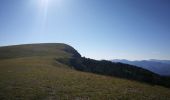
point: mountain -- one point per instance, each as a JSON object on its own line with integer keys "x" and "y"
{"x": 161, "y": 67}
{"x": 56, "y": 71}
{"x": 162, "y": 61}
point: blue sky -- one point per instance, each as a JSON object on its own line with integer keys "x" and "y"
{"x": 99, "y": 29}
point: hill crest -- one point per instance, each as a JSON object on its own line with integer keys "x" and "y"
{"x": 41, "y": 49}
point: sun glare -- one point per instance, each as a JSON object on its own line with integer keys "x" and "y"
{"x": 44, "y": 3}
{"x": 44, "y": 7}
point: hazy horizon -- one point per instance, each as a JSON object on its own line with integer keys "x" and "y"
{"x": 105, "y": 29}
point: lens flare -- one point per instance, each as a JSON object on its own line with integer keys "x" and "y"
{"x": 44, "y": 10}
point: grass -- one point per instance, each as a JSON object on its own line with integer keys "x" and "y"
{"x": 42, "y": 78}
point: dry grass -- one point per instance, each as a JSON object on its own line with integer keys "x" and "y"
{"x": 42, "y": 78}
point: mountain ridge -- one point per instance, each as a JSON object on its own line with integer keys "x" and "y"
{"x": 37, "y": 49}
{"x": 75, "y": 60}
{"x": 161, "y": 67}
{"x": 34, "y": 72}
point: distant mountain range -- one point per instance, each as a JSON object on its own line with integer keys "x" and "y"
{"x": 161, "y": 67}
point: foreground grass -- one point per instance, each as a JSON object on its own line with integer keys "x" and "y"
{"x": 42, "y": 78}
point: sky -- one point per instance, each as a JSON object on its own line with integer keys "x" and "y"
{"x": 98, "y": 29}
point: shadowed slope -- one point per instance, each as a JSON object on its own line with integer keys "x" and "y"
{"x": 116, "y": 69}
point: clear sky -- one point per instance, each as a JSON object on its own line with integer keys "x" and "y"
{"x": 99, "y": 29}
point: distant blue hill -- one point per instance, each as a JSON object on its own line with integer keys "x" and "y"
{"x": 162, "y": 61}
{"x": 161, "y": 67}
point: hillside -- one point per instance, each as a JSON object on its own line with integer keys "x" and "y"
{"x": 31, "y": 72}
{"x": 29, "y": 50}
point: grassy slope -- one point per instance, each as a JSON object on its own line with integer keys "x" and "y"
{"x": 39, "y": 76}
